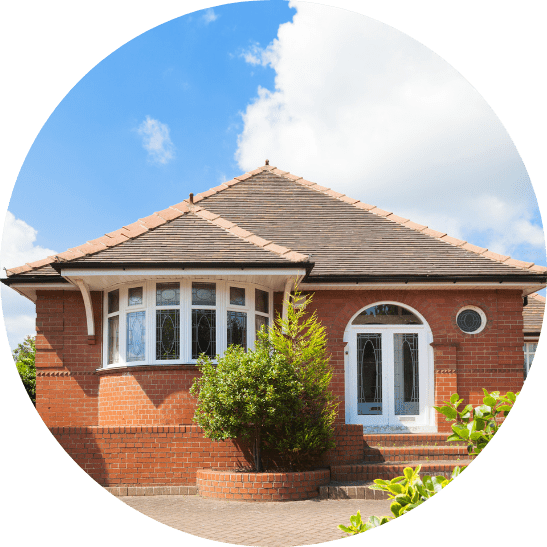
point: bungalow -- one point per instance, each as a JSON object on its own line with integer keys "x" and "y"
{"x": 412, "y": 315}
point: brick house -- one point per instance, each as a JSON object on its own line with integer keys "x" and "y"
{"x": 533, "y": 312}
{"x": 412, "y": 315}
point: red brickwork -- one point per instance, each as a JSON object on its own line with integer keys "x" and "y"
{"x": 261, "y": 486}
{"x": 69, "y": 393}
{"x": 66, "y": 386}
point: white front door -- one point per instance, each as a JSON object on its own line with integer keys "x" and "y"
{"x": 389, "y": 378}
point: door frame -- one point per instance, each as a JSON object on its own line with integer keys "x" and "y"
{"x": 386, "y": 423}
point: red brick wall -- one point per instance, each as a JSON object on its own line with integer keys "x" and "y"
{"x": 66, "y": 386}
{"x": 491, "y": 359}
{"x": 156, "y": 395}
{"x": 169, "y": 455}
{"x": 69, "y": 393}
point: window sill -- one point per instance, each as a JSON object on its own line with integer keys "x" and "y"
{"x": 142, "y": 368}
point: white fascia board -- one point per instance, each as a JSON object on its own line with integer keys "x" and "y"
{"x": 33, "y": 286}
{"x": 418, "y": 285}
{"x": 181, "y": 272}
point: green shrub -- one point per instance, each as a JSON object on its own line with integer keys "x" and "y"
{"x": 477, "y": 425}
{"x": 407, "y": 492}
{"x": 274, "y": 397}
{"x": 24, "y": 357}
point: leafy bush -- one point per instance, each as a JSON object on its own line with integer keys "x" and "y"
{"x": 274, "y": 397}
{"x": 24, "y": 356}
{"x": 477, "y": 425}
{"x": 407, "y": 492}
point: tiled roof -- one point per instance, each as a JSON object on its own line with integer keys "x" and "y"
{"x": 533, "y": 313}
{"x": 272, "y": 215}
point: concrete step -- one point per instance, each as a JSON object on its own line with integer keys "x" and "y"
{"x": 344, "y": 474}
{"x": 414, "y": 453}
{"x": 354, "y": 491}
{"x": 407, "y": 439}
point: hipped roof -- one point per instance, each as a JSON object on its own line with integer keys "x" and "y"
{"x": 271, "y": 216}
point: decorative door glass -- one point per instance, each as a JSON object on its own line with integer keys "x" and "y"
{"x": 369, "y": 374}
{"x": 406, "y": 381}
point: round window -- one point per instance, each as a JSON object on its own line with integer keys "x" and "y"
{"x": 471, "y": 320}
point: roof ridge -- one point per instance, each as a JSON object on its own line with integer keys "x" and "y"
{"x": 538, "y": 297}
{"x": 246, "y": 235}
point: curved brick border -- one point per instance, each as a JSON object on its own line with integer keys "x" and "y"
{"x": 220, "y": 484}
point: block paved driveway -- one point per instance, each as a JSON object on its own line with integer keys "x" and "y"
{"x": 271, "y": 524}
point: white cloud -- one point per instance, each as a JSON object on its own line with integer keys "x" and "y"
{"x": 156, "y": 140}
{"x": 363, "y": 108}
{"x": 209, "y": 16}
{"x": 18, "y": 248}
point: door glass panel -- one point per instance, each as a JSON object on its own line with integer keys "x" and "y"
{"x": 203, "y": 333}
{"x": 136, "y": 336}
{"x": 386, "y": 314}
{"x": 369, "y": 374}
{"x": 406, "y": 379}
{"x": 167, "y": 334}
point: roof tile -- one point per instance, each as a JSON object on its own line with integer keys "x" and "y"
{"x": 347, "y": 199}
{"x": 293, "y": 256}
{"x": 320, "y": 188}
{"x": 207, "y": 215}
{"x": 364, "y": 206}
{"x": 396, "y": 218}
{"x": 279, "y": 249}
{"x": 519, "y": 263}
{"x": 495, "y": 256}
{"x": 152, "y": 221}
{"x": 208, "y": 193}
{"x": 292, "y": 177}
{"x": 245, "y": 176}
{"x": 306, "y": 182}
{"x": 537, "y": 268}
{"x": 474, "y": 248}
{"x": 182, "y": 207}
{"x": 454, "y": 240}
{"x": 223, "y": 223}
{"x": 40, "y": 263}
{"x": 415, "y": 226}
{"x": 19, "y": 269}
{"x": 433, "y": 233}
{"x": 380, "y": 212}
{"x": 334, "y": 193}
{"x": 169, "y": 214}
{"x": 116, "y": 240}
{"x": 90, "y": 248}
{"x": 231, "y": 182}
{"x": 261, "y": 242}
{"x": 279, "y": 172}
{"x": 240, "y": 232}
{"x": 134, "y": 230}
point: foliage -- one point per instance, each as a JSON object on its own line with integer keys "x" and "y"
{"x": 24, "y": 356}
{"x": 477, "y": 425}
{"x": 306, "y": 430}
{"x": 407, "y": 492}
{"x": 276, "y": 396}
{"x": 244, "y": 395}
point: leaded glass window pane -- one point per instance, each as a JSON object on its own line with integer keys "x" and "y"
{"x": 237, "y": 296}
{"x": 407, "y": 401}
{"x": 386, "y": 314}
{"x": 203, "y": 333}
{"x": 136, "y": 336}
{"x": 167, "y": 294}
{"x": 260, "y": 321}
{"x": 113, "y": 339}
{"x": 369, "y": 374}
{"x": 261, "y": 301}
{"x": 204, "y": 294}
{"x": 469, "y": 321}
{"x": 135, "y": 296}
{"x": 113, "y": 301}
{"x": 167, "y": 334}
{"x": 237, "y": 329}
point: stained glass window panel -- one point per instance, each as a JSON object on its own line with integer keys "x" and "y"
{"x": 167, "y": 334}
{"x": 469, "y": 321}
{"x": 204, "y": 294}
{"x": 237, "y": 296}
{"x": 113, "y": 301}
{"x": 135, "y": 296}
{"x": 261, "y": 301}
{"x": 113, "y": 339}
{"x": 369, "y": 374}
{"x": 136, "y": 336}
{"x": 407, "y": 396}
{"x": 203, "y": 333}
{"x": 260, "y": 321}
{"x": 167, "y": 294}
{"x": 386, "y": 314}
{"x": 237, "y": 329}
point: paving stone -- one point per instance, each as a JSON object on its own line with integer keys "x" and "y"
{"x": 273, "y": 524}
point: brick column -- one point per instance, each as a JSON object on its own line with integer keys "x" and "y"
{"x": 446, "y": 377}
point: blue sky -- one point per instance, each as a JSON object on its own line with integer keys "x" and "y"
{"x": 335, "y": 97}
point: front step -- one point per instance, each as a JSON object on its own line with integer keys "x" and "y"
{"x": 414, "y": 453}
{"x": 352, "y": 492}
{"x": 380, "y": 440}
{"x": 388, "y": 470}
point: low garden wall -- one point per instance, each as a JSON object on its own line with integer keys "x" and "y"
{"x": 172, "y": 455}
{"x": 223, "y": 484}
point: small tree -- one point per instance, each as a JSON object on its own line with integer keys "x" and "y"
{"x": 306, "y": 431}
{"x": 24, "y": 356}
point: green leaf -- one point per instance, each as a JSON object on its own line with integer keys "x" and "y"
{"x": 454, "y": 398}
{"x": 511, "y": 396}
{"x": 449, "y": 412}
{"x": 396, "y": 508}
{"x": 490, "y": 401}
{"x": 462, "y": 432}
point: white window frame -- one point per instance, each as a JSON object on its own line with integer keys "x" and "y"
{"x": 529, "y": 355}
{"x": 149, "y": 306}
